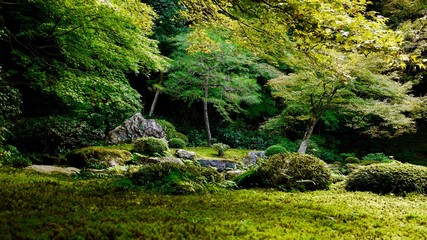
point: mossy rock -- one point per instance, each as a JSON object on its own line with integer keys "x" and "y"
{"x": 98, "y": 157}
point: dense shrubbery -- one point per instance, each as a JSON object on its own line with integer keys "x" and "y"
{"x": 176, "y": 143}
{"x": 55, "y": 134}
{"x": 389, "y": 178}
{"x": 248, "y": 139}
{"x": 376, "y": 157}
{"x": 275, "y": 149}
{"x": 173, "y": 178}
{"x": 10, "y": 156}
{"x": 150, "y": 146}
{"x": 288, "y": 171}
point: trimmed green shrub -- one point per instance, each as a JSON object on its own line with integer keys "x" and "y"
{"x": 389, "y": 178}
{"x": 173, "y": 178}
{"x": 221, "y": 148}
{"x": 180, "y": 136}
{"x": 150, "y": 146}
{"x": 275, "y": 149}
{"x": 352, "y": 160}
{"x": 288, "y": 171}
{"x": 10, "y": 156}
{"x": 176, "y": 143}
{"x": 168, "y": 127}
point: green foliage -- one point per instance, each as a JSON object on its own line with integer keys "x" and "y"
{"x": 151, "y": 146}
{"x": 389, "y": 178}
{"x": 376, "y": 157}
{"x": 180, "y": 136}
{"x": 55, "y": 134}
{"x": 221, "y": 148}
{"x": 168, "y": 127}
{"x": 172, "y": 178}
{"x": 10, "y": 156}
{"x": 33, "y": 206}
{"x": 249, "y": 179}
{"x": 98, "y": 157}
{"x": 352, "y": 160}
{"x": 240, "y": 137}
{"x": 176, "y": 143}
{"x": 294, "y": 171}
{"x": 275, "y": 149}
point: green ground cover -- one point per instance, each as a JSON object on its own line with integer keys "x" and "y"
{"x": 37, "y": 206}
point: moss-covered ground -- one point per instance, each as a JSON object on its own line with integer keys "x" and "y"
{"x": 37, "y": 206}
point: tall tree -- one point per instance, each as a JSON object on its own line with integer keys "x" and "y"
{"x": 319, "y": 40}
{"x": 213, "y": 72}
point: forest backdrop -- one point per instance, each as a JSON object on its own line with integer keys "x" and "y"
{"x": 335, "y": 78}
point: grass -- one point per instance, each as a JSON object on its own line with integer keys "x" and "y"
{"x": 210, "y": 153}
{"x": 37, "y": 206}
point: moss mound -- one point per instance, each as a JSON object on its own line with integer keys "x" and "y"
{"x": 150, "y": 146}
{"x": 176, "y": 143}
{"x": 288, "y": 171}
{"x": 389, "y": 178}
{"x": 275, "y": 149}
{"x": 173, "y": 178}
{"x": 98, "y": 157}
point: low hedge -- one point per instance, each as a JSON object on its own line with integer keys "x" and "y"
{"x": 150, "y": 146}
{"x": 389, "y": 178}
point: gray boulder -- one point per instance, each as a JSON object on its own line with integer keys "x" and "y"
{"x": 135, "y": 127}
{"x": 253, "y": 158}
{"x": 220, "y": 165}
{"x": 181, "y": 153}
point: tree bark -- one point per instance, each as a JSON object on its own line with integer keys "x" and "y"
{"x": 156, "y": 96}
{"x": 306, "y": 140}
{"x": 205, "y": 114}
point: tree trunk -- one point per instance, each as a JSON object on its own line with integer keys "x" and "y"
{"x": 156, "y": 97}
{"x": 306, "y": 140}
{"x": 206, "y": 117}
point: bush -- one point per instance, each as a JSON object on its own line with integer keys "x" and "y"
{"x": 55, "y": 134}
{"x": 351, "y": 160}
{"x": 389, "y": 178}
{"x": 173, "y": 178}
{"x": 176, "y": 143}
{"x": 221, "y": 148}
{"x": 294, "y": 171}
{"x": 275, "y": 149}
{"x": 150, "y": 146}
{"x": 168, "y": 127}
{"x": 180, "y": 136}
{"x": 10, "y": 156}
{"x": 376, "y": 157}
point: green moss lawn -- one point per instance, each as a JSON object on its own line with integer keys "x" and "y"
{"x": 37, "y": 206}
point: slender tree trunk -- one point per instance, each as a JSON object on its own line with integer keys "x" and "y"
{"x": 205, "y": 114}
{"x": 306, "y": 140}
{"x": 156, "y": 96}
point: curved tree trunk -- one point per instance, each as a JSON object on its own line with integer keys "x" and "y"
{"x": 205, "y": 115}
{"x": 156, "y": 97}
{"x": 306, "y": 140}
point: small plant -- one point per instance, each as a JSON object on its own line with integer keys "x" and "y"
{"x": 150, "y": 146}
{"x": 389, "y": 178}
{"x": 176, "y": 143}
{"x": 221, "y": 148}
{"x": 352, "y": 160}
{"x": 377, "y": 157}
{"x": 275, "y": 149}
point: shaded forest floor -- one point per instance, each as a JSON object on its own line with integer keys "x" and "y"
{"x": 39, "y": 206}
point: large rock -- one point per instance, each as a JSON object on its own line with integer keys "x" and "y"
{"x": 181, "y": 153}
{"x": 135, "y": 127}
{"x": 220, "y": 165}
{"x": 253, "y": 158}
{"x": 149, "y": 160}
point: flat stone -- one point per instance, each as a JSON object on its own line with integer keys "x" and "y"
{"x": 219, "y": 164}
{"x": 253, "y": 158}
{"x": 52, "y": 169}
{"x": 181, "y": 153}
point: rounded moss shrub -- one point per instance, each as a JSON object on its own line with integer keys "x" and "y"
{"x": 98, "y": 157}
{"x": 176, "y": 143}
{"x": 389, "y": 178}
{"x": 352, "y": 160}
{"x": 168, "y": 127}
{"x": 294, "y": 171}
{"x": 180, "y": 136}
{"x": 150, "y": 146}
{"x": 173, "y": 178}
{"x": 275, "y": 149}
